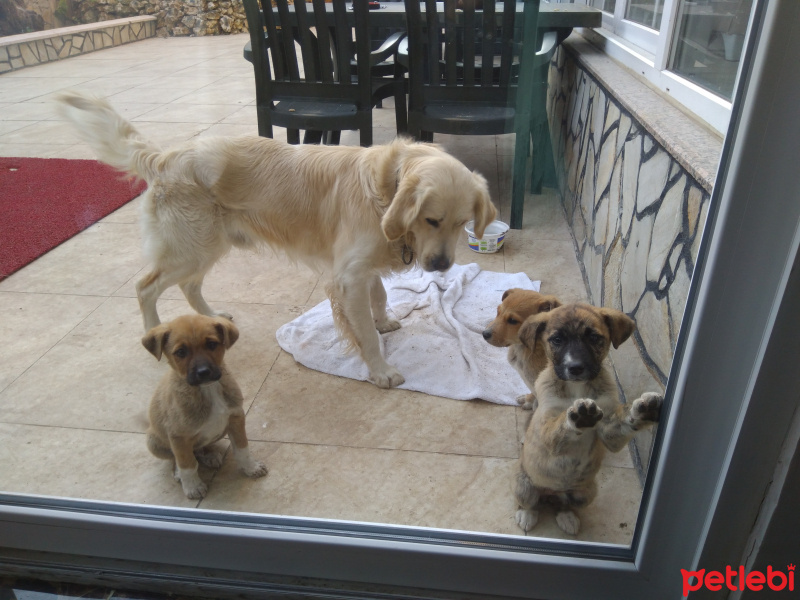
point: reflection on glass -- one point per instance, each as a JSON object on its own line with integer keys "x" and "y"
{"x": 645, "y": 12}
{"x": 604, "y": 5}
{"x": 709, "y": 43}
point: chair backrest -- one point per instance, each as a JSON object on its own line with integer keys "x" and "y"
{"x": 447, "y": 55}
{"x": 297, "y": 52}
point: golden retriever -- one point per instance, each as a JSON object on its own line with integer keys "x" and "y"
{"x": 197, "y": 401}
{"x": 517, "y": 305}
{"x": 359, "y": 212}
{"x": 579, "y": 414}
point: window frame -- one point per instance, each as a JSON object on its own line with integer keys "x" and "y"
{"x": 647, "y": 52}
{"x": 714, "y": 381}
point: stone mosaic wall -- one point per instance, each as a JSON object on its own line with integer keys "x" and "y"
{"x": 174, "y": 17}
{"x": 28, "y": 49}
{"x": 636, "y": 216}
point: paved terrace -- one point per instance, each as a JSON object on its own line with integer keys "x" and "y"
{"x": 75, "y": 381}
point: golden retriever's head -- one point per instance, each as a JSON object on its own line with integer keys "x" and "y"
{"x": 194, "y": 346}
{"x": 436, "y": 196}
{"x": 577, "y": 337}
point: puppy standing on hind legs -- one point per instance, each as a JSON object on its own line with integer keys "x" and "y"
{"x": 197, "y": 402}
{"x": 579, "y": 415}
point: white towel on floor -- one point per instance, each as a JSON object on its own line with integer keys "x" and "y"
{"x": 439, "y": 348}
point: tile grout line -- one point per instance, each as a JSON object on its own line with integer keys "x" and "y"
{"x": 57, "y": 342}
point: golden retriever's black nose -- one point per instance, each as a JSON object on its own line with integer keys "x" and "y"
{"x": 487, "y": 334}
{"x": 440, "y": 263}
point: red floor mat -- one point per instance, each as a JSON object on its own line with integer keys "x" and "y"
{"x": 45, "y": 201}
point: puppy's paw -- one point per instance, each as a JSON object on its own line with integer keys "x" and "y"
{"x": 584, "y": 414}
{"x": 210, "y": 459}
{"x": 195, "y": 493}
{"x": 192, "y": 485}
{"x": 388, "y": 378}
{"x": 527, "y": 401}
{"x": 255, "y": 469}
{"x": 386, "y": 325}
{"x": 526, "y": 519}
{"x": 569, "y": 522}
{"x": 646, "y": 410}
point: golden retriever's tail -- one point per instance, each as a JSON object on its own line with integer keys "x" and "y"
{"x": 115, "y": 141}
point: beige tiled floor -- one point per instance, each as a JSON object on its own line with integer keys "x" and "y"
{"x": 75, "y": 380}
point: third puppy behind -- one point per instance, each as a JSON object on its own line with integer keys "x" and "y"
{"x": 517, "y": 305}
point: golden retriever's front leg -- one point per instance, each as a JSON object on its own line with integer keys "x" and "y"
{"x": 377, "y": 300}
{"x": 350, "y": 298}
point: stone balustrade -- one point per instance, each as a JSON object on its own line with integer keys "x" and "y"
{"x": 28, "y": 49}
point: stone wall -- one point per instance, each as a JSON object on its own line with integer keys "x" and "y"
{"x": 39, "y": 47}
{"x": 173, "y": 17}
{"x": 636, "y": 216}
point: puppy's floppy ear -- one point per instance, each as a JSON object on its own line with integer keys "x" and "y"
{"x": 227, "y": 331}
{"x": 155, "y": 339}
{"x": 484, "y": 210}
{"x": 549, "y": 303}
{"x": 620, "y": 326}
{"x": 532, "y": 329}
{"x": 403, "y": 210}
{"x": 507, "y": 292}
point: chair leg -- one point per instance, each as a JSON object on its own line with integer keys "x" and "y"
{"x": 312, "y": 137}
{"x": 365, "y": 136}
{"x": 400, "y": 110}
{"x": 334, "y": 137}
{"x": 293, "y": 136}
{"x": 264, "y": 122}
{"x": 518, "y": 176}
{"x": 537, "y": 160}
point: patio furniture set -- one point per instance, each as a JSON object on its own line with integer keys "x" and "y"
{"x": 327, "y": 79}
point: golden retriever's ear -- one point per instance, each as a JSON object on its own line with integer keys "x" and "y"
{"x": 484, "y": 210}
{"x": 620, "y": 326}
{"x": 403, "y": 209}
{"x": 549, "y": 303}
{"x": 506, "y": 293}
{"x": 155, "y": 340}
{"x": 532, "y": 329}
{"x": 227, "y": 331}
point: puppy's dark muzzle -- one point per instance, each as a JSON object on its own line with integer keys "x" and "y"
{"x": 576, "y": 371}
{"x": 203, "y": 372}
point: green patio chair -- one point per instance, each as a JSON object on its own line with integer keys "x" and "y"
{"x": 451, "y": 92}
{"x": 299, "y": 84}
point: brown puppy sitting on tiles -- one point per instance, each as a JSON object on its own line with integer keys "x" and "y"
{"x": 517, "y": 305}
{"x": 579, "y": 415}
{"x": 197, "y": 402}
